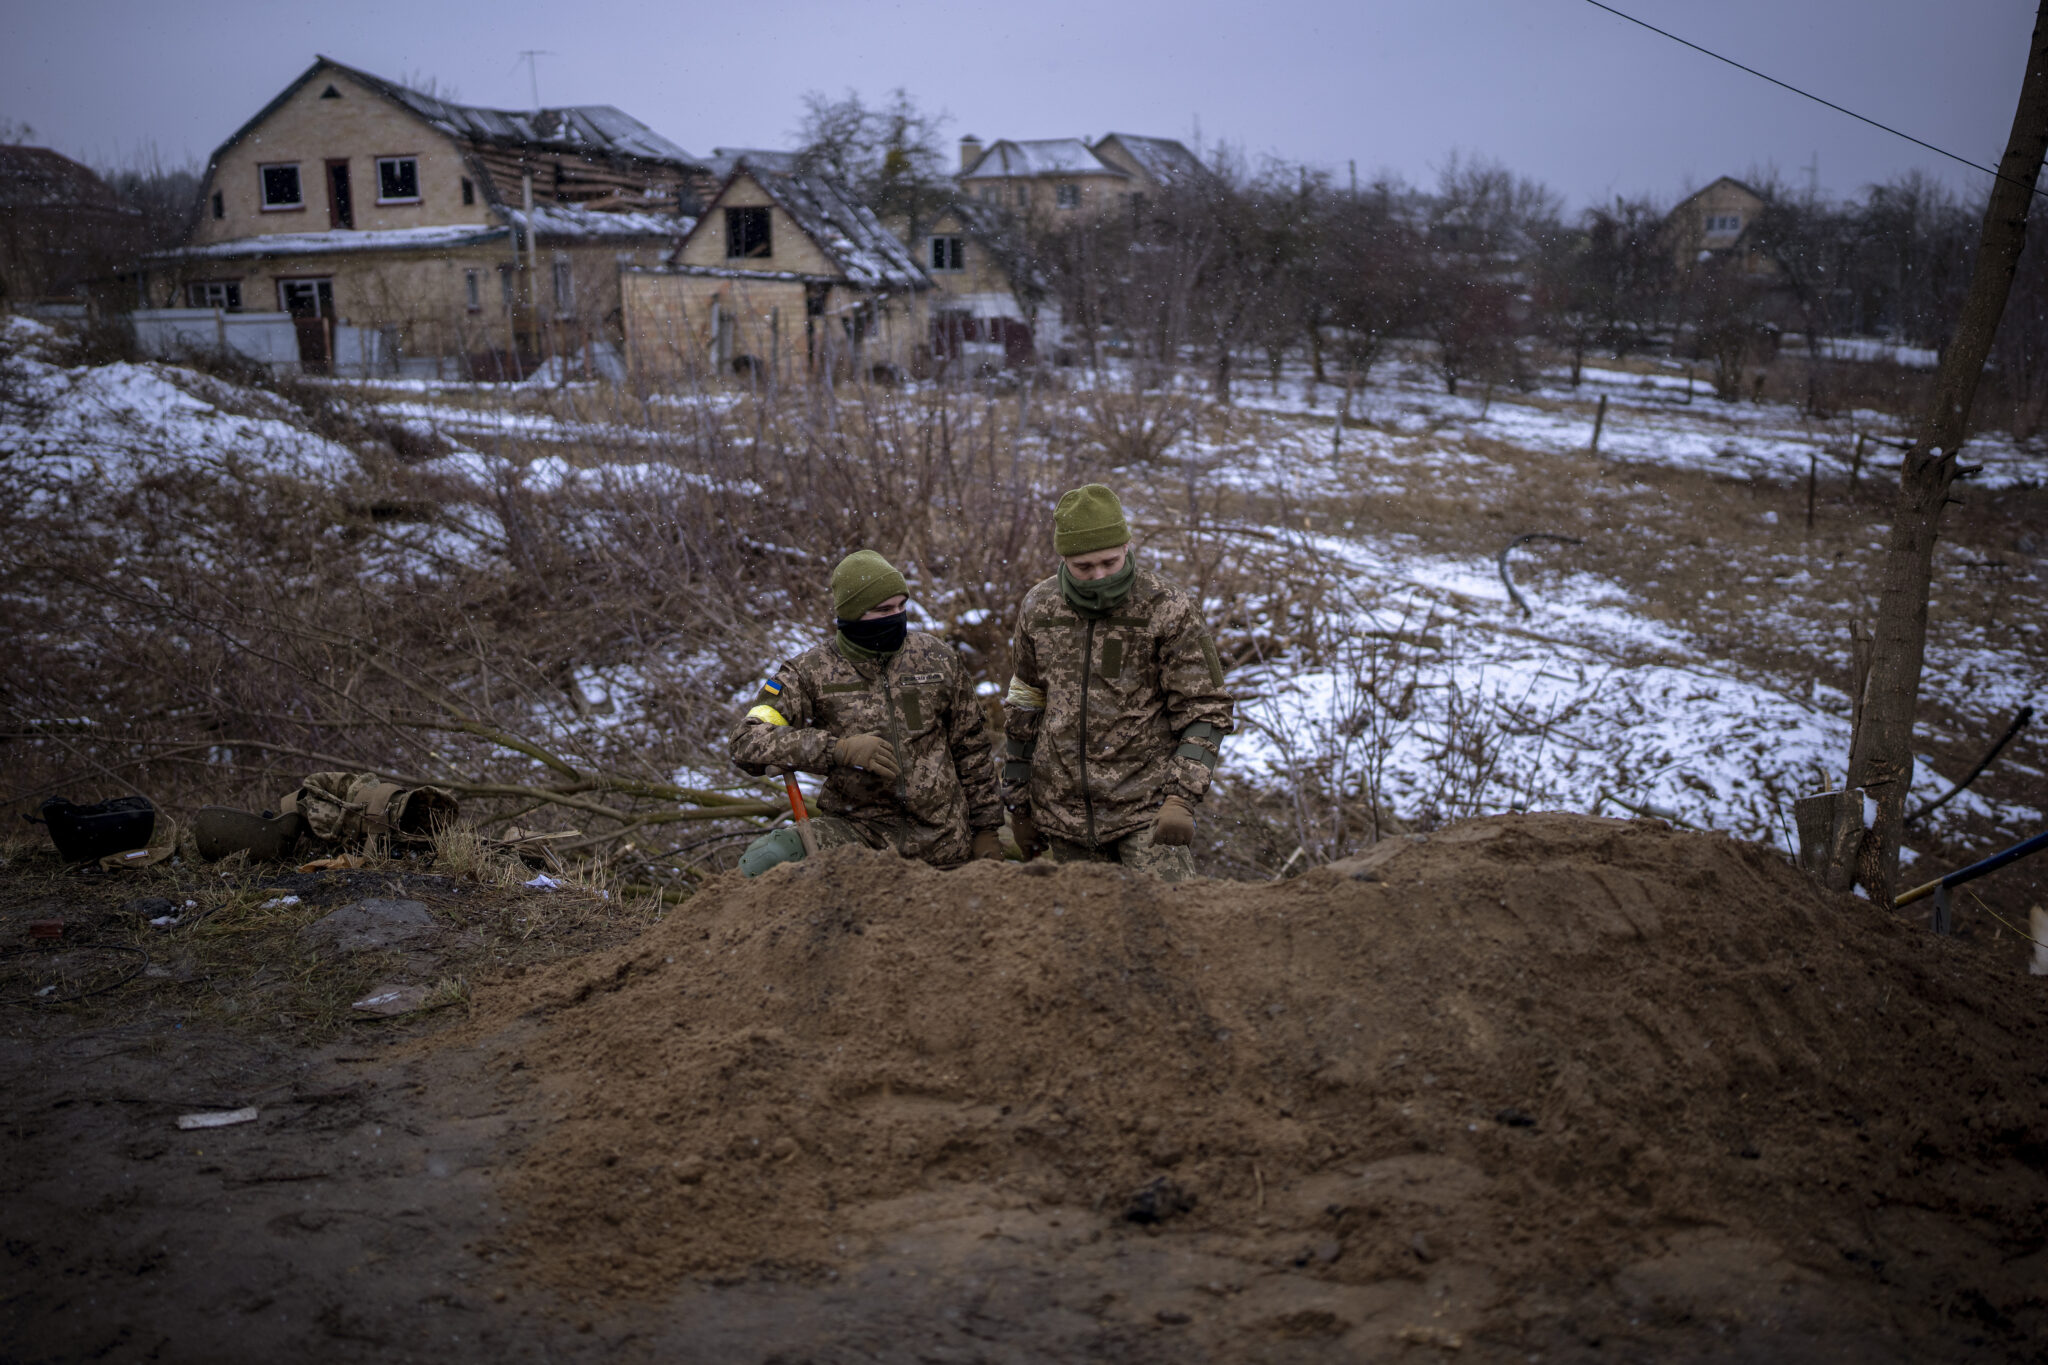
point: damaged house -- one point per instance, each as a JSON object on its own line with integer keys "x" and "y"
{"x": 402, "y": 233}
{"x": 785, "y": 276}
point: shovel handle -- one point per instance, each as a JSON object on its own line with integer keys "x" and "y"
{"x": 797, "y": 813}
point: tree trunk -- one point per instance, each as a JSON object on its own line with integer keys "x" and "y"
{"x": 1881, "y": 757}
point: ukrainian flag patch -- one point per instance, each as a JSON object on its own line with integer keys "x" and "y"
{"x": 771, "y": 687}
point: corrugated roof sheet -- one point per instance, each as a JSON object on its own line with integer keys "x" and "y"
{"x": 582, "y": 127}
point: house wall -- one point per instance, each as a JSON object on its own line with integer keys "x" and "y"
{"x": 1098, "y": 193}
{"x": 360, "y": 126}
{"x": 981, "y": 275}
{"x": 424, "y": 295}
{"x": 792, "y": 248}
{"x": 1688, "y": 224}
{"x": 695, "y": 327}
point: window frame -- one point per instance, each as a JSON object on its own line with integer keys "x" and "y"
{"x": 732, "y": 239}
{"x": 1066, "y": 195}
{"x": 263, "y": 169}
{"x": 219, "y": 203}
{"x": 198, "y": 294}
{"x": 562, "y": 275}
{"x": 949, "y": 246}
{"x": 399, "y": 158}
{"x": 473, "y": 289}
{"x": 468, "y": 191}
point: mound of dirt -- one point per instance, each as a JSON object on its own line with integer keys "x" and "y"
{"x": 1542, "y": 1046}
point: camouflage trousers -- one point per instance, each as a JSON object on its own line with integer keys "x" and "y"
{"x": 1135, "y": 851}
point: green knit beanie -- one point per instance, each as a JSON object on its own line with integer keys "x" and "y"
{"x": 1089, "y": 519}
{"x": 863, "y": 579}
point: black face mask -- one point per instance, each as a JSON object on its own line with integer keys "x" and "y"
{"x": 882, "y": 635}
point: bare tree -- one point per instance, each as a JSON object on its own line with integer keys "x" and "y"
{"x": 890, "y": 154}
{"x": 1881, "y": 752}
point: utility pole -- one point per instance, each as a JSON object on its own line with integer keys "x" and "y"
{"x": 1881, "y": 749}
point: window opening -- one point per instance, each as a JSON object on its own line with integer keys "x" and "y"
{"x": 1067, "y": 196}
{"x": 330, "y": 93}
{"x": 220, "y": 208}
{"x": 307, "y": 298}
{"x": 565, "y": 285}
{"x": 746, "y": 234}
{"x": 1023, "y": 196}
{"x": 222, "y": 294}
{"x": 468, "y": 190}
{"x": 473, "y": 289}
{"x": 949, "y": 253}
{"x": 341, "y": 204}
{"x": 398, "y": 180}
{"x": 281, "y": 187}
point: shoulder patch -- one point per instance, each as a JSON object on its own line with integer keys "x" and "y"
{"x": 771, "y": 687}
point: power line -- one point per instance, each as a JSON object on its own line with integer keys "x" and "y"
{"x": 1808, "y": 94}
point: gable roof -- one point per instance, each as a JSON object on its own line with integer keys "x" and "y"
{"x": 843, "y": 228}
{"x": 1058, "y": 156}
{"x": 583, "y": 129}
{"x": 1715, "y": 184}
{"x": 1168, "y": 162}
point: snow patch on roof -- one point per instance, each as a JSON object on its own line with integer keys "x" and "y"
{"x": 1048, "y": 156}
{"x": 846, "y": 230}
{"x": 342, "y": 240}
{"x": 566, "y": 220}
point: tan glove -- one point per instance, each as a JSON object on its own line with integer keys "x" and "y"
{"x": 1024, "y": 830}
{"x": 871, "y": 752}
{"x": 988, "y": 843}
{"x": 1174, "y": 826}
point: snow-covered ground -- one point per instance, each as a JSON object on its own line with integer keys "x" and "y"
{"x": 1432, "y": 689}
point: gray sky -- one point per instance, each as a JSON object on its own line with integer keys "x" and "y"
{"x": 1553, "y": 88}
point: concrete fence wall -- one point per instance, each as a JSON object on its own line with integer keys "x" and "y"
{"x": 267, "y": 338}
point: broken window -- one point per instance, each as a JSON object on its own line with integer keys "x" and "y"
{"x": 949, "y": 253}
{"x": 398, "y": 180}
{"x": 1067, "y": 195}
{"x": 746, "y": 234}
{"x": 281, "y": 187}
{"x": 473, "y": 289}
{"x": 222, "y": 294}
{"x": 565, "y": 285}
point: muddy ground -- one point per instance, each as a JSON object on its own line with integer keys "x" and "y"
{"x": 1533, "y": 1088}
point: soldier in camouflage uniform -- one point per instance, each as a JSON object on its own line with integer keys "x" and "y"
{"x": 1115, "y": 719}
{"x": 889, "y": 718}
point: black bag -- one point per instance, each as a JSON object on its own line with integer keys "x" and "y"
{"x": 84, "y": 833}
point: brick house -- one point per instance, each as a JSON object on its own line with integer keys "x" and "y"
{"x": 1712, "y": 223}
{"x": 991, "y": 304}
{"x": 460, "y": 234}
{"x": 786, "y": 275}
{"x": 1049, "y": 179}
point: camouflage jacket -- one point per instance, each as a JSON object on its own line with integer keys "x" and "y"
{"x": 1095, "y": 762}
{"x": 922, "y": 701}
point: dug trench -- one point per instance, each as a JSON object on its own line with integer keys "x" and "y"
{"x": 1538, "y": 1086}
